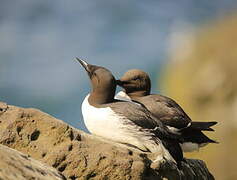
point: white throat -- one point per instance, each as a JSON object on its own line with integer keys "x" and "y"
{"x": 121, "y": 95}
{"x": 106, "y": 123}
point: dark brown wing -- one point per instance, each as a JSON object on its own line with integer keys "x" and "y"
{"x": 165, "y": 109}
{"x": 140, "y": 116}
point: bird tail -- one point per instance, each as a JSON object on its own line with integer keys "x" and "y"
{"x": 203, "y": 126}
{"x": 196, "y": 136}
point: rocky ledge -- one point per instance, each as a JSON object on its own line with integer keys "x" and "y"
{"x": 75, "y": 154}
{"x": 15, "y": 165}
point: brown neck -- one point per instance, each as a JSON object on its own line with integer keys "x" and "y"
{"x": 137, "y": 93}
{"x": 98, "y": 99}
{"x": 100, "y": 96}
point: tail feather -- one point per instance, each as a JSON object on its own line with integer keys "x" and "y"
{"x": 196, "y": 136}
{"x": 203, "y": 126}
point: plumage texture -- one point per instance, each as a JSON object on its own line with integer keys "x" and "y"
{"x": 125, "y": 122}
{"x": 165, "y": 109}
{"x": 110, "y": 121}
{"x": 137, "y": 85}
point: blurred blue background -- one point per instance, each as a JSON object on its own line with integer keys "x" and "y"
{"x": 40, "y": 39}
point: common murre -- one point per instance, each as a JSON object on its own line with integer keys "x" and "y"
{"x": 125, "y": 122}
{"x": 137, "y": 86}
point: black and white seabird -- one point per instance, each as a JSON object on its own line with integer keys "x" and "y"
{"x": 125, "y": 122}
{"x": 137, "y": 86}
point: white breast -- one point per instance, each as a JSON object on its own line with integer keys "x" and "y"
{"x": 121, "y": 95}
{"x": 124, "y": 97}
{"x": 100, "y": 121}
{"x": 190, "y": 147}
{"x": 106, "y": 123}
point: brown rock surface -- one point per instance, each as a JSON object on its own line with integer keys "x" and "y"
{"x": 15, "y": 165}
{"x": 81, "y": 156}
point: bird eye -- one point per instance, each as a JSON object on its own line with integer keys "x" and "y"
{"x": 135, "y": 78}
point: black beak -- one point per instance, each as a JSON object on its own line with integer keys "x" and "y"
{"x": 118, "y": 82}
{"x": 121, "y": 83}
{"x": 84, "y": 64}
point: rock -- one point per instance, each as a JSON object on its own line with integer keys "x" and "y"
{"x": 15, "y": 165}
{"x": 82, "y": 156}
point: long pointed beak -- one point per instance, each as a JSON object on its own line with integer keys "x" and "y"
{"x": 121, "y": 83}
{"x": 118, "y": 82}
{"x": 84, "y": 64}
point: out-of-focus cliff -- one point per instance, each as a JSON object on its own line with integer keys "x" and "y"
{"x": 202, "y": 78}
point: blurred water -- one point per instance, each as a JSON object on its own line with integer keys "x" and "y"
{"x": 40, "y": 39}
